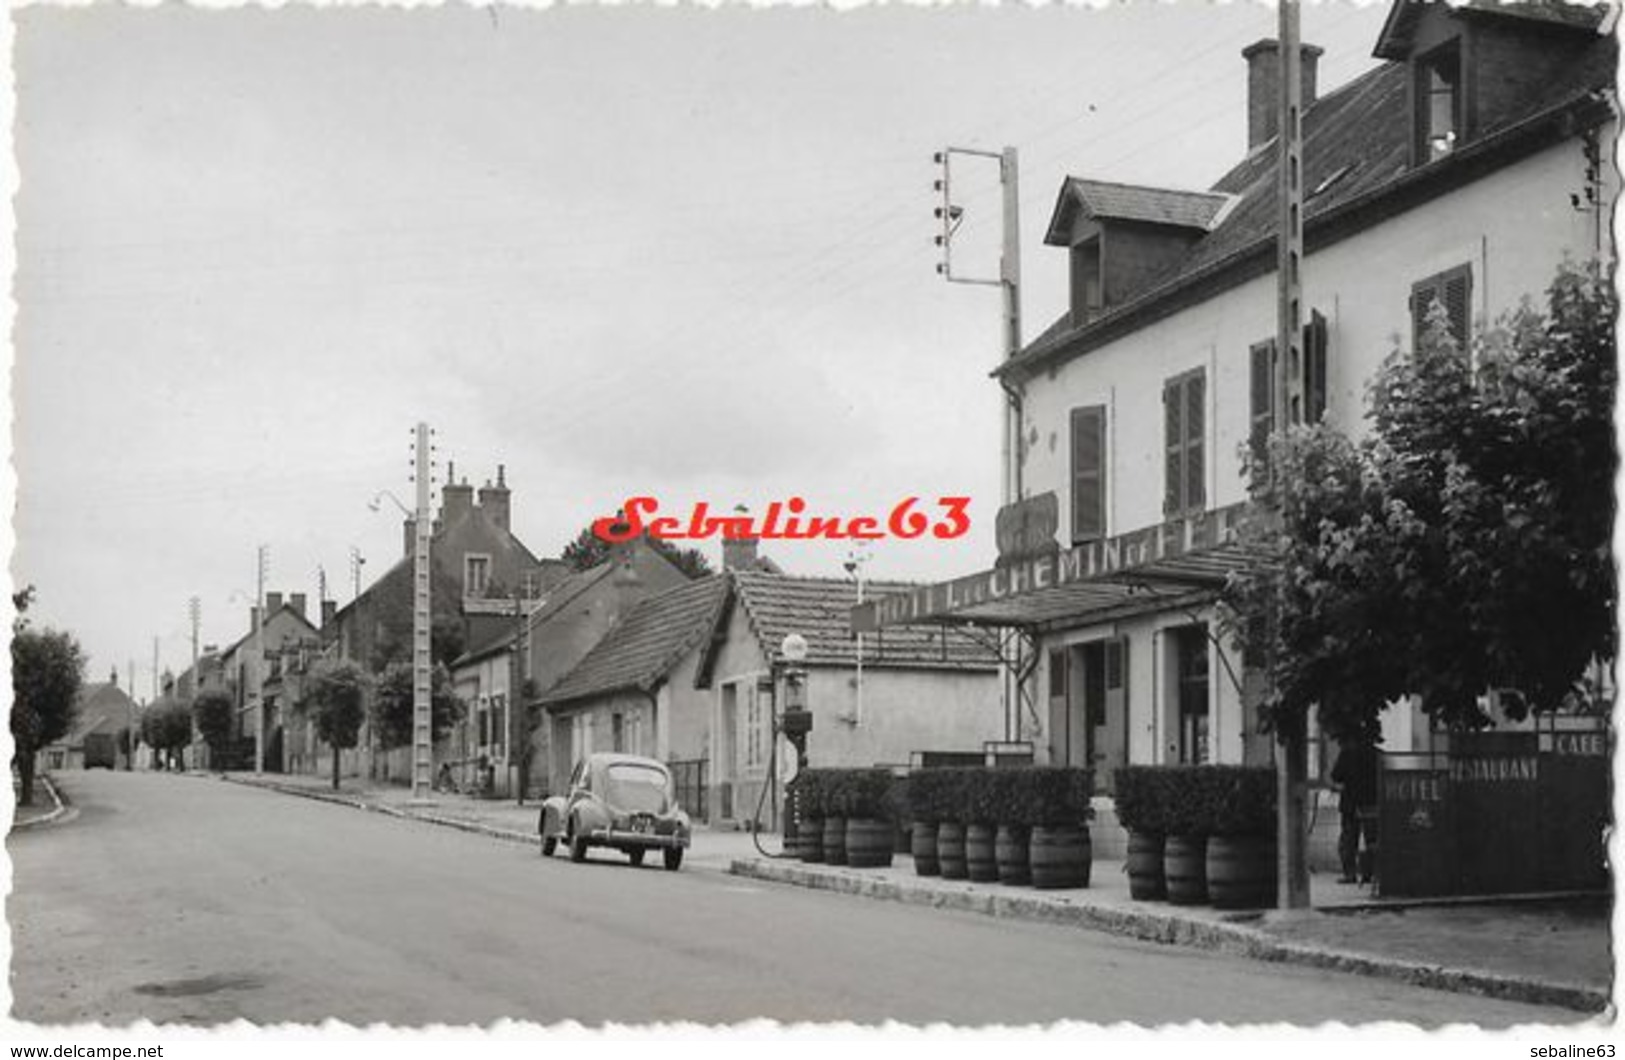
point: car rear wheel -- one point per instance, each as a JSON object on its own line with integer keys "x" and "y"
{"x": 636, "y": 855}
{"x": 578, "y": 845}
{"x": 550, "y": 844}
{"x": 674, "y": 859}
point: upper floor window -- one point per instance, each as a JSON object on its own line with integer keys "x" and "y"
{"x": 1261, "y": 400}
{"x": 476, "y": 574}
{"x": 1439, "y": 112}
{"x": 1184, "y": 410}
{"x": 1088, "y": 474}
{"x": 1088, "y": 296}
{"x": 1452, "y": 289}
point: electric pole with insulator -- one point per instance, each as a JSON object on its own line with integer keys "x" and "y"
{"x": 1292, "y": 766}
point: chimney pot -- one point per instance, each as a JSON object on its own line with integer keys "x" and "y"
{"x": 297, "y": 602}
{"x": 1264, "y": 85}
{"x": 273, "y": 604}
{"x": 496, "y": 502}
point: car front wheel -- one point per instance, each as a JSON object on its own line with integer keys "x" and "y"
{"x": 674, "y": 859}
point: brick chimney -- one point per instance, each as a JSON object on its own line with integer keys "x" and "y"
{"x": 297, "y": 602}
{"x": 456, "y": 499}
{"x": 740, "y": 553}
{"x": 330, "y": 610}
{"x": 628, "y": 584}
{"x": 273, "y": 604}
{"x": 494, "y": 500}
{"x": 1264, "y": 85}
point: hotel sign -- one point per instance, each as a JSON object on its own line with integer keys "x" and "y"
{"x": 1081, "y": 563}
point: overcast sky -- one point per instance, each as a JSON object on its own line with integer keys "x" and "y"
{"x": 621, "y": 250}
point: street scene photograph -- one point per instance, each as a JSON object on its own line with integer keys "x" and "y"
{"x": 542, "y": 520}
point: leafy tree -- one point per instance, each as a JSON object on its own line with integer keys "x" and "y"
{"x": 588, "y": 550}
{"x": 47, "y": 673}
{"x": 1464, "y": 546}
{"x": 166, "y": 726}
{"x": 335, "y": 701}
{"x": 392, "y": 705}
{"x": 214, "y": 712}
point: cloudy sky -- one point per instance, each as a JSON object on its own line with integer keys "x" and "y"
{"x": 621, "y": 250}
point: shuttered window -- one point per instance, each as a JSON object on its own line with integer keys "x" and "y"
{"x": 1261, "y": 400}
{"x": 1184, "y": 405}
{"x": 1088, "y": 473}
{"x": 1453, "y": 289}
{"x": 1314, "y": 368}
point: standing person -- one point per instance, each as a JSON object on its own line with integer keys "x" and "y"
{"x": 1355, "y": 775}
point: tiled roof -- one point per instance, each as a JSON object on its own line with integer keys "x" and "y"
{"x": 1134, "y": 202}
{"x": 1356, "y": 148}
{"x": 820, "y": 609}
{"x": 644, "y": 646}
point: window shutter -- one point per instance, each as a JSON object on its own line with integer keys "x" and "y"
{"x": 1314, "y": 366}
{"x": 1423, "y": 295}
{"x": 1088, "y": 473}
{"x": 1457, "y": 297}
{"x": 1174, "y": 433}
{"x": 1195, "y": 433}
{"x": 1261, "y": 399}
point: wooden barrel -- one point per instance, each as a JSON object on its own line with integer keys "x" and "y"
{"x": 1184, "y": 863}
{"x": 835, "y": 840}
{"x": 980, "y": 863}
{"x": 1060, "y": 856}
{"x": 923, "y": 845}
{"x": 1241, "y": 871}
{"x": 1010, "y": 850}
{"x": 1146, "y": 882}
{"x": 951, "y": 851}
{"x": 810, "y": 838}
{"x": 868, "y": 842}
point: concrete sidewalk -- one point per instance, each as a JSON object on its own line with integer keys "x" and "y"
{"x": 1542, "y": 950}
{"x": 1552, "y": 951}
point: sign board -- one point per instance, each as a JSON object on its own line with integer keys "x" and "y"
{"x": 1026, "y": 529}
{"x": 1095, "y": 559}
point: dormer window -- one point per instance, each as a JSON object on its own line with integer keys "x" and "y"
{"x": 1439, "y": 117}
{"x": 1088, "y": 294}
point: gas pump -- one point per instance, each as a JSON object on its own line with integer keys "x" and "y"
{"x": 794, "y": 722}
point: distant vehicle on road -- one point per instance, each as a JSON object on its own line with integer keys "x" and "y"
{"x": 100, "y": 750}
{"x": 625, "y": 802}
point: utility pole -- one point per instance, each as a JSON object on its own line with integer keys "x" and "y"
{"x": 155, "y": 669}
{"x": 356, "y": 562}
{"x": 518, "y": 708}
{"x": 256, "y": 658}
{"x": 135, "y": 734}
{"x": 1292, "y": 768}
{"x": 422, "y": 675}
{"x": 950, "y": 214}
{"x": 194, "y": 612}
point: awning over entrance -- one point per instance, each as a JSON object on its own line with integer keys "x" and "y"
{"x": 1172, "y": 564}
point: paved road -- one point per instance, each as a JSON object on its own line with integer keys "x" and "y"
{"x": 184, "y": 899}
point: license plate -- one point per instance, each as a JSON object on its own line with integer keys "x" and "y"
{"x": 641, "y": 824}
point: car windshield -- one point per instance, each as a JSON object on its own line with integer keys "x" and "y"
{"x": 634, "y": 788}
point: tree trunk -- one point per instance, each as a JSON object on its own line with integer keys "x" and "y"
{"x": 335, "y": 767}
{"x": 25, "y": 777}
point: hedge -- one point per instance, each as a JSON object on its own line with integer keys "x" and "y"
{"x": 1196, "y": 800}
{"x": 1026, "y": 795}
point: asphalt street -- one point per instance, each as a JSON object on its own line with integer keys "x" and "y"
{"x": 187, "y": 900}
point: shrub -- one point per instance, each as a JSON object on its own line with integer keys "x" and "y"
{"x": 1210, "y": 800}
{"x": 1139, "y": 799}
{"x": 862, "y": 793}
{"x": 808, "y": 788}
{"x": 1047, "y": 796}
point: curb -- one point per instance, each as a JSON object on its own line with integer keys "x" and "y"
{"x": 1171, "y": 929}
{"x": 54, "y": 815}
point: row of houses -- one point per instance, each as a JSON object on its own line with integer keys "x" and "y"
{"x": 632, "y": 654}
